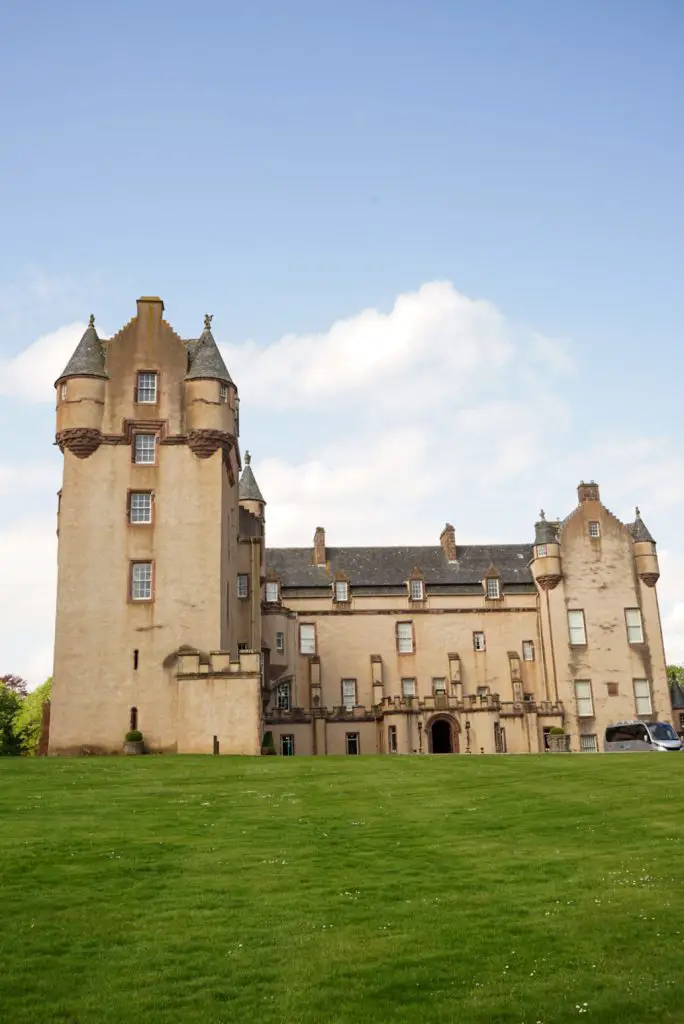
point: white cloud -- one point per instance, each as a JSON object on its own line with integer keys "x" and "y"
{"x": 28, "y": 566}
{"x": 31, "y": 374}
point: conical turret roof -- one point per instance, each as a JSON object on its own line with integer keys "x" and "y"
{"x": 249, "y": 488}
{"x": 639, "y": 530}
{"x": 545, "y": 532}
{"x": 205, "y": 359}
{"x": 88, "y": 359}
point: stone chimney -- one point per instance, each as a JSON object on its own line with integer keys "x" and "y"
{"x": 151, "y": 304}
{"x": 447, "y": 539}
{"x": 588, "y": 492}
{"x": 319, "y": 546}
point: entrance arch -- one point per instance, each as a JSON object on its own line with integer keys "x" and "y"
{"x": 442, "y": 736}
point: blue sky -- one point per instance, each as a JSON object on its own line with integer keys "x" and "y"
{"x": 288, "y": 165}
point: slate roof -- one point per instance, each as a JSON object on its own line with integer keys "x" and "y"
{"x": 391, "y": 567}
{"x": 205, "y": 360}
{"x": 88, "y": 358}
{"x": 676, "y": 695}
{"x": 639, "y": 530}
{"x": 249, "y": 488}
{"x": 545, "y": 532}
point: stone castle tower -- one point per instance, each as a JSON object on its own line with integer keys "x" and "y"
{"x": 148, "y": 545}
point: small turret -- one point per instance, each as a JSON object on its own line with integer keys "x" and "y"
{"x": 250, "y": 496}
{"x": 210, "y": 394}
{"x": 644, "y": 551}
{"x": 81, "y": 395}
{"x": 546, "y": 560}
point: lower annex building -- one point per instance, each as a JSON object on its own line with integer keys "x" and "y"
{"x": 175, "y": 618}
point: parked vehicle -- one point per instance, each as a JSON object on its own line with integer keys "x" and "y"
{"x": 644, "y": 736}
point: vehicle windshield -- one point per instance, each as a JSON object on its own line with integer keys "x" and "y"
{"x": 662, "y": 731}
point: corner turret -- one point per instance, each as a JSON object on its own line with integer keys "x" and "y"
{"x": 644, "y": 551}
{"x": 546, "y": 560}
{"x": 81, "y": 396}
{"x": 250, "y": 496}
{"x": 210, "y": 394}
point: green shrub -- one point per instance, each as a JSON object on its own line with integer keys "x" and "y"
{"x": 556, "y": 731}
{"x": 268, "y": 744}
{"x": 134, "y": 736}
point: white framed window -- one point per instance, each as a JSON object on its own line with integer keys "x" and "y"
{"x": 280, "y": 642}
{"x": 589, "y": 744}
{"x": 243, "y": 646}
{"x": 353, "y": 743}
{"x": 341, "y": 590}
{"x": 223, "y": 394}
{"x": 528, "y": 650}
{"x": 439, "y": 687}
{"x": 272, "y": 592}
{"x": 307, "y": 638}
{"x": 493, "y": 589}
{"x": 576, "y": 629}
{"x": 283, "y": 697}
{"x": 404, "y": 632}
{"x": 141, "y": 581}
{"x": 242, "y": 585}
{"x": 642, "y": 697}
{"x": 145, "y": 449}
{"x": 541, "y": 550}
{"x": 63, "y": 392}
{"x": 479, "y": 643}
{"x": 408, "y": 687}
{"x": 417, "y": 590}
{"x": 594, "y": 530}
{"x": 585, "y": 701}
{"x": 140, "y": 509}
{"x": 483, "y": 691}
{"x": 635, "y": 629}
{"x": 287, "y": 745}
{"x": 146, "y": 390}
{"x": 349, "y": 694}
{"x": 392, "y": 739}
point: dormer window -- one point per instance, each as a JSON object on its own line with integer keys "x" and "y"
{"x": 417, "y": 590}
{"x": 594, "y": 530}
{"x": 272, "y": 592}
{"x": 341, "y": 591}
{"x": 146, "y": 391}
{"x": 493, "y": 585}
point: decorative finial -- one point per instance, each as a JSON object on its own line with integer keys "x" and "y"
{"x": 638, "y": 512}
{"x": 248, "y": 458}
{"x": 207, "y": 321}
{"x": 91, "y": 320}
{"x": 542, "y": 516}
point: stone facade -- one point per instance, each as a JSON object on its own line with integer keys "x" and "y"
{"x": 172, "y": 613}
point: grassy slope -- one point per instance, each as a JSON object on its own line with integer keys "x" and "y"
{"x": 342, "y": 890}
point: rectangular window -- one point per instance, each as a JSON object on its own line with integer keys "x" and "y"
{"x": 141, "y": 581}
{"x": 283, "y": 697}
{"x": 307, "y": 639}
{"x": 287, "y": 745}
{"x": 439, "y": 687}
{"x": 147, "y": 388}
{"x": 353, "y": 745}
{"x": 408, "y": 687}
{"x": 145, "y": 449}
{"x": 272, "y": 593}
{"x": 528, "y": 650}
{"x": 63, "y": 392}
{"x": 594, "y": 530}
{"x": 392, "y": 739}
{"x": 517, "y": 691}
{"x": 585, "y": 701}
{"x": 578, "y": 634}
{"x": 404, "y": 637}
{"x": 341, "y": 590}
{"x": 541, "y": 550}
{"x": 483, "y": 691}
{"x": 642, "y": 697}
{"x": 635, "y": 630}
{"x": 223, "y": 394}
{"x": 280, "y": 642}
{"x": 140, "y": 508}
{"x": 493, "y": 589}
{"x": 243, "y": 646}
{"x": 417, "y": 590}
{"x": 479, "y": 642}
{"x": 242, "y": 584}
{"x": 349, "y": 694}
{"x": 589, "y": 744}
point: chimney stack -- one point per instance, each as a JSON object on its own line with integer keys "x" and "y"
{"x": 319, "y": 546}
{"x": 588, "y": 492}
{"x": 447, "y": 539}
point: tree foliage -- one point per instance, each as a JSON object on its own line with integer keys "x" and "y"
{"x": 10, "y": 703}
{"x": 675, "y": 674}
{"x": 15, "y": 683}
{"x": 29, "y": 717}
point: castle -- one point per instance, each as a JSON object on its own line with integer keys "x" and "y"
{"x": 174, "y": 618}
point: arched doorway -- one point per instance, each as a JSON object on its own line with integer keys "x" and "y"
{"x": 443, "y": 737}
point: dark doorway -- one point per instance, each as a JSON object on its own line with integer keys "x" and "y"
{"x": 440, "y": 734}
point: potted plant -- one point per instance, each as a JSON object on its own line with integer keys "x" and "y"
{"x": 267, "y": 744}
{"x": 134, "y": 743}
{"x": 558, "y": 742}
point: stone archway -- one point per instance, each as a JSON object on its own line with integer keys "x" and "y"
{"x": 442, "y": 735}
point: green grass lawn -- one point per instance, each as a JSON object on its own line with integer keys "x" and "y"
{"x": 473, "y": 889}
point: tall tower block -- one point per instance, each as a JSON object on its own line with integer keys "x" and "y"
{"x": 148, "y": 525}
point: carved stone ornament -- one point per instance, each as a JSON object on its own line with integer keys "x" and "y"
{"x": 650, "y": 578}
{"x": 81, "y": 441}
{"x": 548, "y": 582}
{"x": 203, "y": 443}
